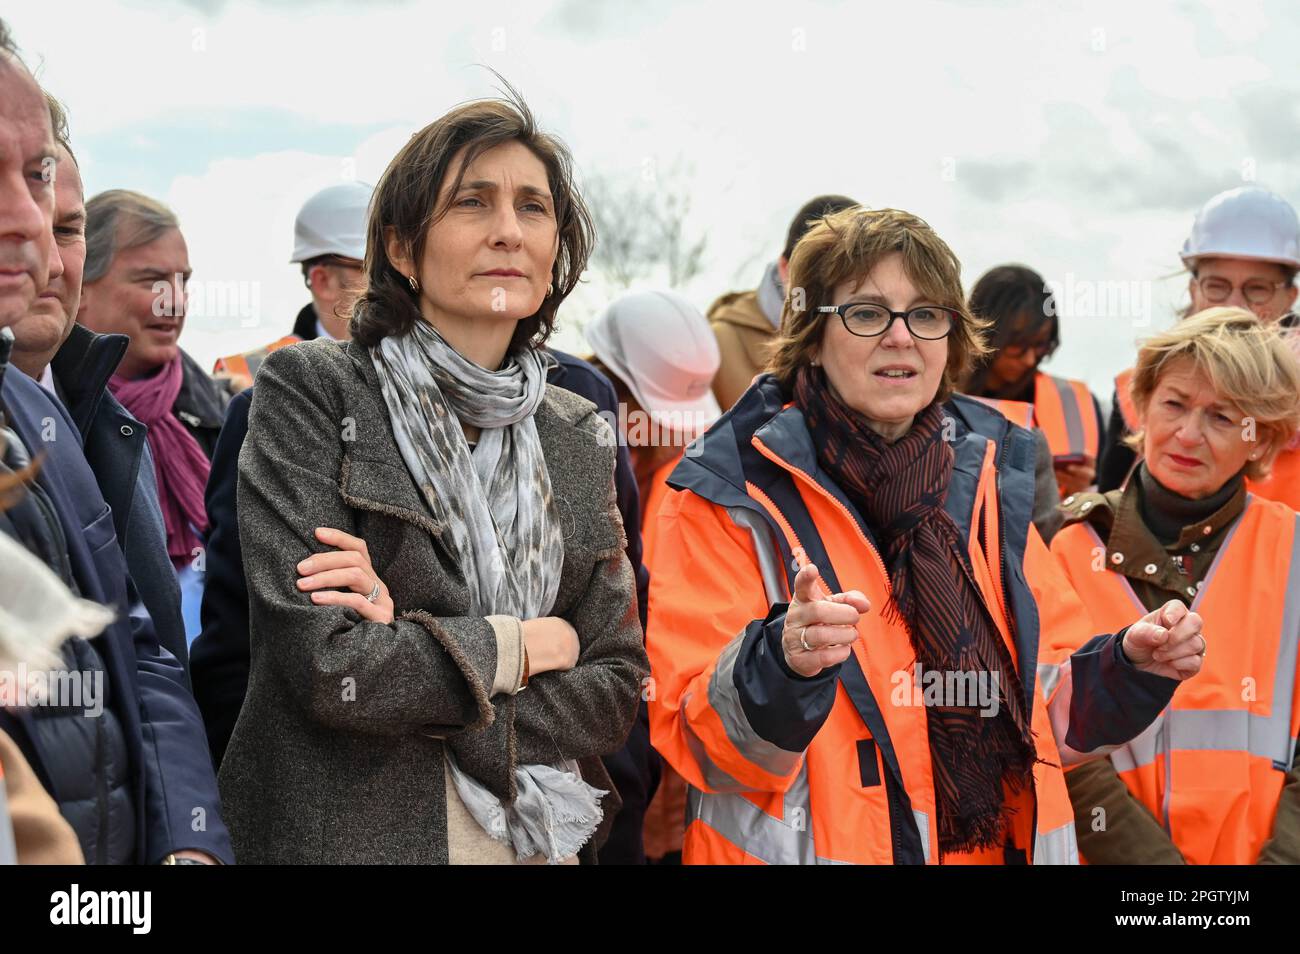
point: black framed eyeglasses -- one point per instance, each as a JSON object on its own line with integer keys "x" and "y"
{"x": 927, "y": 322}
{"x": 1257, "y": 291}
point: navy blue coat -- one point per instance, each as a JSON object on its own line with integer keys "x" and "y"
{"x": 174, "y": 787}
{"x": 118, "y": 453}
{"x": 219, "y": 658}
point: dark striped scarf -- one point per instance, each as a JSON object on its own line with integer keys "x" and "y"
{"x": 900, "y": 489}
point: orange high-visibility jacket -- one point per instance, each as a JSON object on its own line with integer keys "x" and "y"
{"x": 1212, "y": 766}
{"x": 1063, "y": 410}
{"x": 1283, "y": 482}
{"x": 836, "y": 768}
{"x": 247, "y": 363}
{"x": 1124, "y": 397}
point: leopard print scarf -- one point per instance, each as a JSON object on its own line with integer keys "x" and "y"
{"x": 494, "y": 504}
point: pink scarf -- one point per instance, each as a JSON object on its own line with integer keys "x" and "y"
{"x": 179, "y": 464}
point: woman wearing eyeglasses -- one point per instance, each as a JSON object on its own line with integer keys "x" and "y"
{"x": 1024, "y": 332}
{"x": 1243, "y": 252}
{"x": 849, "y": 523}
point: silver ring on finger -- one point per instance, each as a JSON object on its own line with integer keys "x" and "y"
{"x": 803, "y": 642}
{"x": 374, "y": 594}
{"x": 1204, "y": 647}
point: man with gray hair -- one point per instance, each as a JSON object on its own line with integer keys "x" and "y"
{"x": 137, "y": 268}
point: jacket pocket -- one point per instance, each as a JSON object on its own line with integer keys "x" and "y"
{"x": 100, "y": 532}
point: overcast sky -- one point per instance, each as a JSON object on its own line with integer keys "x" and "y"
{"x": 1077, "y": 138}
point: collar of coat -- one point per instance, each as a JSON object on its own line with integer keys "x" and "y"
{"x": 82, "y": 366}
{"x": 563, "y": 405}
{"x": 201, "y": 401}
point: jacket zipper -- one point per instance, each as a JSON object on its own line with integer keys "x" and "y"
{"x": 880, "y": 563}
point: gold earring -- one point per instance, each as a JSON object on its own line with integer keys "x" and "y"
{"x": 415, "y": 286}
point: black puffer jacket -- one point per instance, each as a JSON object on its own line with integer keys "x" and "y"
{"x": 83, "y": 734}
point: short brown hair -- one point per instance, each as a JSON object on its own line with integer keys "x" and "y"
{"x": 846, "y": 246}
{"x": 407, "y": 200}
{"x": 1248, "y": 364}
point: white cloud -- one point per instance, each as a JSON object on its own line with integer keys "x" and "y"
{"x": 1078, "y": 139}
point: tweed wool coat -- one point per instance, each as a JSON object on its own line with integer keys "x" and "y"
{"x": 338, "y": 752}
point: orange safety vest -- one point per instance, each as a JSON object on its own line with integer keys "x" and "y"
{"x": 1283, "y": 482}
{"x": 1065, "y": 413}
{"x": 1017, "y": 412}
{"x": 1212, "y": 766}
{"x": 1124, "y": 396}
{"x": 717, "y": 571}
{"x": 1062, "y": 410}
{"x": 245, "y": 365}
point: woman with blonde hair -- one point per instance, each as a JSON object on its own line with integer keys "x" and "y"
{"x": 921, "y": 589}
{"x": 1213, "y": 780}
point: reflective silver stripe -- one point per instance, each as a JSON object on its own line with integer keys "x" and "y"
{"x": 797, "y": 802}
{"x": 725, "y": 701}
{"x": 769, "y": 560}
{"x": 1232, "y": 730}
{"x": 1073, "y": 414}
{"x": 1288, "y": 655}
{"x": 1210, "y": 730}
{"x": 1140, "y": 750}
{"x": 1058, "y": 847}
{"x": 714, "y": 777}
{"x": 923, "y": 826}
{"x": 753, "y": 830}
{"x": 1049, "y": 674}
{"x": 8, "y": 849}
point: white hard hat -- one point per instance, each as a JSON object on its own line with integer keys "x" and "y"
{"x": 333, "y": 222}
{"x": 1247, "y": 222}
{"x": 661, "y": 346}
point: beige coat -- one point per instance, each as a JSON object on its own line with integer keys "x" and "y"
{"x": 744, "y": 337}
